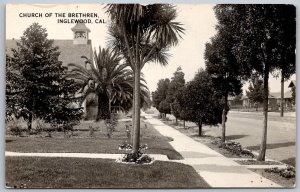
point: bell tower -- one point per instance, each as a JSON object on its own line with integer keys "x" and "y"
{"x": 80, "y": 34}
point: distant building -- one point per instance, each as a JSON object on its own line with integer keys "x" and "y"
{"x": 292, "y": 84}
{"x": 273, "y": 101}
{"x": 71, "y": 51}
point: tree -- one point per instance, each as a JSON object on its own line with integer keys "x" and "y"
{"x": 259, "y": 46}
{"x": 177, "y": 82}
{"x": 64, "y": 107}
{"x": 42, "y": 75}
{"x": 109, "y": 79}
{"x": 14, "y": 88}
{"x": 200, "y": 102}
{"x": 222, "y": 64}
{"x": 160, "y": 96}
{"x": 255, "y": 91}
{"x": 287, "y": 37}
{"x": 143, "y": 34}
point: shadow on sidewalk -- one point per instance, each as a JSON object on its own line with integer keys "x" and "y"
{"x": 221, "y": 168}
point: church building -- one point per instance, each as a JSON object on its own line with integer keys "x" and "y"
{"x": 71, "y": 51}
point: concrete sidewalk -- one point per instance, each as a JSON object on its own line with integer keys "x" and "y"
{"x": 217, "y": 170}
{"x": 157, "y": 157}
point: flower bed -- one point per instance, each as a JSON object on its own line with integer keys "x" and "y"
{"x": 288, "y": 172}
{"x": 135, "y": 158}
{"x": 233, "y": 147}
{"x": 254, "y": 162}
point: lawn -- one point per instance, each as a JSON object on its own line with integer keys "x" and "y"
{"x": 46, "y": 172}
{"x": 86, "y": 141}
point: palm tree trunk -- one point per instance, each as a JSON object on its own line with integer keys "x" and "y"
{"x": 137, "y": 100}
{"x": 263, "y": 145}
{"x": 223, "y": 136}
{"x": 103, "y": 107}
{"x": 282, "y": 95}
{"x": 133, "y": 109}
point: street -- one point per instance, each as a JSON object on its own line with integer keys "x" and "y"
{"x": 246, "y": 128}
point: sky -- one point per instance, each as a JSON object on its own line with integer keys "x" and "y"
{"x": 198, "y": 20}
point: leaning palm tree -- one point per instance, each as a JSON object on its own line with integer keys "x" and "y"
{"x": 111, "y": 81}
{"x": 142, "y": 34}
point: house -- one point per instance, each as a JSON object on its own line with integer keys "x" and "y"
{"x": 71, "y": 51}
{"x": 273, "y": 101}
{"x": 292, "y": 84}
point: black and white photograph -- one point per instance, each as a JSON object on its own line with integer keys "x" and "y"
{"x": 150, "y": 96}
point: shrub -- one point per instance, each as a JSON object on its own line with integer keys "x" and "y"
{"x": 288, "y": 172}
{"x": 233, "y": 147}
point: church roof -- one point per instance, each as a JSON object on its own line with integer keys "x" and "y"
{"x": 80, "y": 27}
{"x": 69, "y": 52}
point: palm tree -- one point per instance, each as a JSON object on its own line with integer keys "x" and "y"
{"x": 143, "y": 34}
{"x": 111, "y": 81}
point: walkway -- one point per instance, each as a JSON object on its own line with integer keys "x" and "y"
{"x": 217, "y": 170}
{"x": 157, "y": 157}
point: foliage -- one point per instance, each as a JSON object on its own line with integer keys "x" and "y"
{"x": 177, "y": 82}
{"x": 46, "y": 93}
{"x": 221, "y": 63}
{"x": 260, "y": 43}
{"x": 255, "y": 91}
{"x": 233, "y": 147}
{"x": 288, "y": 172}
{"x": 143, "y": 34}
{"x": 199, "y": 102}
{"x": 139, "y": 158}
{"x": 109, "y": 79}
{"x": 160, "y": 95}
{"x": 111, "y": 124}
{"x": 14, "y": 89}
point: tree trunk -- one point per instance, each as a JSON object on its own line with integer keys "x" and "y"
{"x": 133, "y": 109}
{"x": 29, "y": 123}
{"x": 282, "y": 95}
{"x": 184, "y": 124}
{"x": 137, "y": 100}
{"x": 200, "y": 127}
{"x": 103, "y": 107}
{"x": 223, "y": 136}
{"x": 263, "y": 145}
{"x": 176, "y": 121}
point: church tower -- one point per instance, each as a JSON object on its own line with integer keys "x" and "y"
{"x": 81, "y": 34}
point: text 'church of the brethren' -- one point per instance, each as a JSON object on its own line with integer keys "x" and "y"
{"x": 71, "y": 51}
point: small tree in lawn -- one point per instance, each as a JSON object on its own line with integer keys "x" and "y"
{"x": 160, "y": 95}
{"x": 37, "y": 60}
{"x": 255, "y": 91}
{"x": 46, "y": 93}
{"x": 201, "y": 103}
{"x": 180, "y": 108}
{"x": 64, "y": 109}
{"x": 223, "y": 66}
{"x": 177, "y": 82}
